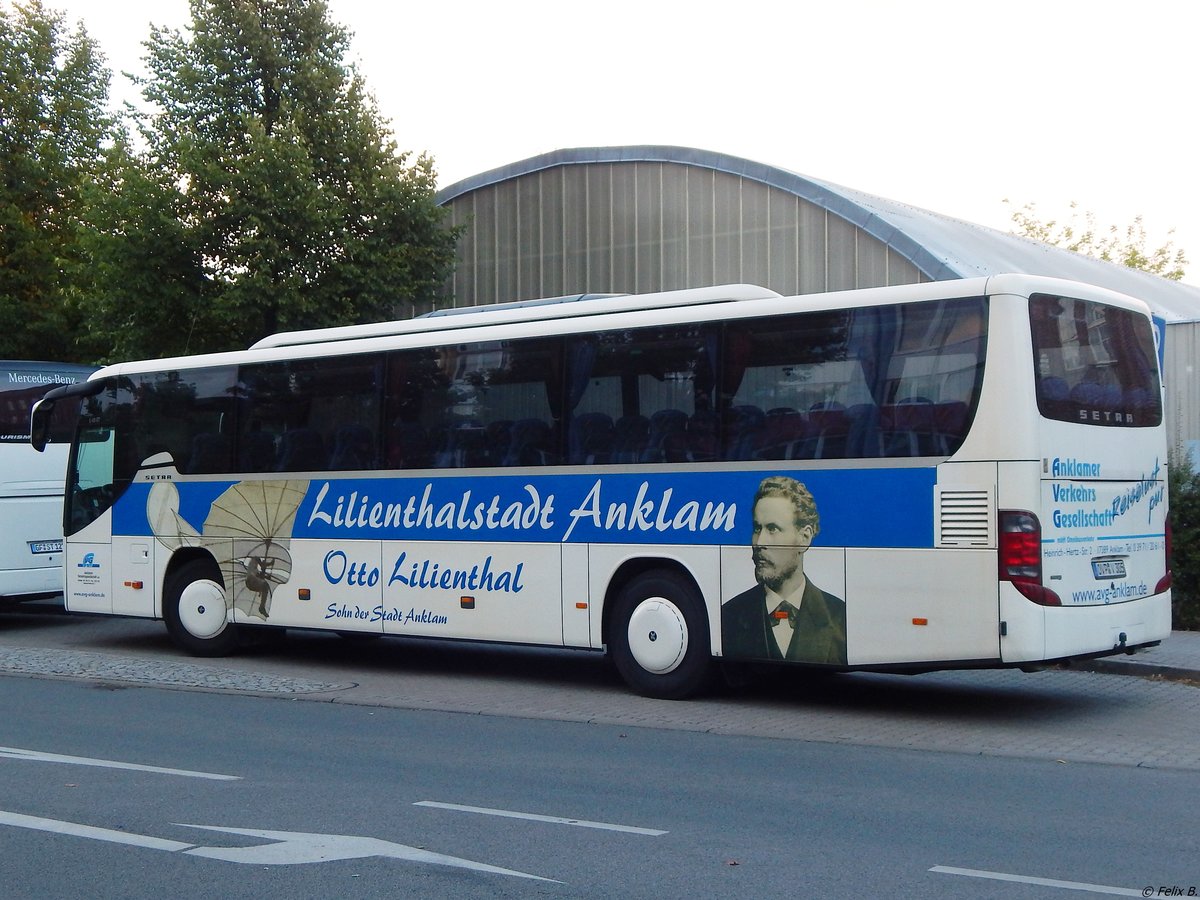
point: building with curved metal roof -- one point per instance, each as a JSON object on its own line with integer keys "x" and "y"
{"x": 652, "y": 218}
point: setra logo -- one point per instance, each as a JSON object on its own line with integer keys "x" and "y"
{"x": 89, "y": 562}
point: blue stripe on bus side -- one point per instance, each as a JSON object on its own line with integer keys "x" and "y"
{"x": 885, "y": 507}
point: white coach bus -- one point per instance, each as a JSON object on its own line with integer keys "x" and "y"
{"x": 957, "y": 474}
{"x": 31, "y": 484}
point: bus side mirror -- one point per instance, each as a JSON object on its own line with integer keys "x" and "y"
{"x": 39, "y": 424}
{"x": 43, "y": 411}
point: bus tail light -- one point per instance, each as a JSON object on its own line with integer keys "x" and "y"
{"x": 1164, "y": 583}
{"x": 1021, "y": 556}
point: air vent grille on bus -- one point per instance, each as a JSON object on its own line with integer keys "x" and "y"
{"x": 965, "y": 518}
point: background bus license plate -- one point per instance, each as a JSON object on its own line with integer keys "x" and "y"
{"x": 1108, "y": 568}
{"x": 45, "y": 546}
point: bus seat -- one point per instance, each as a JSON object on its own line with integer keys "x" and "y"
{"x": 908, "y": 428}
{"x": 629, "y": 438}
{"x": 1054, "y": 388}
{"x": 256, "y": 452}
{"x": 591, "y": 438}
{"x": 1086, "y": 393}
{"x": 783, "y": 430}
{"x": 464, "y": 446}
{"x": 665, "y": 436}
{"x": 950, "y": 424}
{"x": 529, "y": 444}
{"x": 744, "y": 431}
{"x": 1111, "y": 396}
{"x": 409, "y": 446}
{"x": 864, "y": 438}
{"x": 1140, "y": 400}
{"x": 353, "y": 448}
{"x": 498, "y": 436}
{"x": 703, "y": 444}
{"x": 211, "y": 453}
{"x": 830, "y": 427}
{"x": 301, "y": 450}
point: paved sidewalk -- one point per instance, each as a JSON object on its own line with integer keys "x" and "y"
{"x": 1175, "y": 659}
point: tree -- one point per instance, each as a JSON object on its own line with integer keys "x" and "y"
{"x": 147, "y": 279}
{"x": 269, "y": 195}
{"x": 1184, "y": 510}
{"x": 1125, "y": 247}
{"x": 54, "y": 129}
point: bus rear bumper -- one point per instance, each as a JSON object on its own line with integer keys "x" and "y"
{"x": 1086, "y": 631}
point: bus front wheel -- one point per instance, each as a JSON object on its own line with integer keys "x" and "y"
{"x": 660, "y": 639}
{"x": 196, "y": 611}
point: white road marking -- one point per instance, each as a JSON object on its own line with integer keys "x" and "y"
{"x": 286, "y": 847}
{"x": 90, "y": 831}
{"x": 299, "y": 847}
{"x": 38, "y": 756}
{"x": 1041, "y": 882}
{"x": 532, "y": 817}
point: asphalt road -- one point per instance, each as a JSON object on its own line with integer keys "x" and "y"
{"x": 135, "y": 792}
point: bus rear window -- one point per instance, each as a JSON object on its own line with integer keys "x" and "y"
{"x": 1096, "y": 363}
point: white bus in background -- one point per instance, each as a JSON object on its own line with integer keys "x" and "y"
{"x": 31, "y": 483}
{"x": 946, "y": 475}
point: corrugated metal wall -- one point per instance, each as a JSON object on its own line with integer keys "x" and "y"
{"x": 1181, "y": 357}
{"x": 634, "y": 227}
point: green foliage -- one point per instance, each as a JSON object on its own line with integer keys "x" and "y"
{"x": 268, "y": 194}
{"x": 146, "y": 278}
{"x": 1185, "y": 543}
{"x": 1126, "y": 248}
{"x": 53, "y": 132}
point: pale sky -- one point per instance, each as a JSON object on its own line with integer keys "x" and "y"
{"x": 949, "y": 105}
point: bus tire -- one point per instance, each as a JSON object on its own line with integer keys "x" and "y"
{"x": 660, "y": 641}
{"x": 196, "y": 610}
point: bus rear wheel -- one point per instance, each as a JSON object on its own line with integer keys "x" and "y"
{"x": 660, "y": 641}
{"x": 196, "y": 610}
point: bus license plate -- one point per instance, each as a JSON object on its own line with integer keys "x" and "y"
{"x": 45, "y": 546}
{"x": 1108, "y": 568}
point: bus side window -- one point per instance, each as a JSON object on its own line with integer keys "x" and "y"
{"x": 188, "y": 414}
{"x": 311, "y": 415}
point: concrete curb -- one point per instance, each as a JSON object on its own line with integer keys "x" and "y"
{"x": 1113, "y": 666}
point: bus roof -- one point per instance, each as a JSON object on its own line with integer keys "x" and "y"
{"x": 520, "y": 311}
{"x": 514, "y": 304}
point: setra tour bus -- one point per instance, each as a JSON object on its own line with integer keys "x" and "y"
{"x": 956, "y": 474}
{"x": 31, "y": 484}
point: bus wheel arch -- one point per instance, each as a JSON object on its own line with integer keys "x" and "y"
{"x": 656, "y": 629}
{"x": 195, "y": 606}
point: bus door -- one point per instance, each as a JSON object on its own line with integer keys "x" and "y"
{"x": 88, "y": 522}
{"x": 90, "y": 491}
